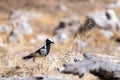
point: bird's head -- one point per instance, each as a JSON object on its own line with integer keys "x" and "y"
{"x": 49, "y": 41}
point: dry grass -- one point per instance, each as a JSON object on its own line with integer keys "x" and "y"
{"x": 12, "y": 65}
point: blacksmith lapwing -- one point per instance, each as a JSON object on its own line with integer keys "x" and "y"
{"x": 41, "y": 52}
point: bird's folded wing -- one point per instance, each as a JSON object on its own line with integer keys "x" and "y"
{"x": 43, "y": 52}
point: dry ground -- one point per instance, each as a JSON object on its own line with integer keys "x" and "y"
{"x": 11, "y": 63}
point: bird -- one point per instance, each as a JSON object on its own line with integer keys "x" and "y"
{"x": 41, "y": 52}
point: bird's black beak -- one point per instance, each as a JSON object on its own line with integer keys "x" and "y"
{"x": 52, "y": 42}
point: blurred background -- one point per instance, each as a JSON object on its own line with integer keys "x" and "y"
{"x": 76, "y": 27}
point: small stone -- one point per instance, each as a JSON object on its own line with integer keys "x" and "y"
{"x": 80, "y": 44}
{"x": 5, "y": 28}
{"x": 32, "y": 41}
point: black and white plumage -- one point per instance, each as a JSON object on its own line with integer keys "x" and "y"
{"x": 41, "y": 52}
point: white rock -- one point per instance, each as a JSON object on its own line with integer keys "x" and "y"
{"x": 115, "y": 4}
{"x": 63, "y": 7}
{"x": 23, "y": 15}
{"x": 102, "y": 20}
{"x": 92, "y": 1}
{"x": 61, "y": 69}
{"x": 118, "y": 48}
{"x": 15, "y": 35}
{"x": 10, "y": 63}
{"x": 62, "y": 38}
{"x": 41, "y": 37}
{"x": 2, "y": 44}
{"x": 5, "y": 28}
{"x": 26, "y": 28}
{"x": 66, "y": 28}
{"x": 32, "y": 41}
{"x": 107, "y": 33}
{"x": 80, "y": 44}
{"x": 23, "y": 26}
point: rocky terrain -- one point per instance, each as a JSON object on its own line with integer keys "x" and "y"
{"x": 76, "y": 27}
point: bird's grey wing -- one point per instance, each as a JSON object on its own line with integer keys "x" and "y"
{"x": 39, "y": 50}
{"x": 43, "y": 52}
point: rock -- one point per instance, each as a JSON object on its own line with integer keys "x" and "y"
{"x": 2, "y": 44}
{"x": 76, "y": 60}
{"x": 106, "y": 19}
{"x": 15, "y": 36}
{"x": 22, "y": 15}
{"x": 118, "y": 48}
{"x": 92, "y": 1}
{"x": 104, "y": 69}
{"x": 5, "y": 29}
{"x": 115, "y": 4}
{"x": 80, "y": 44}
{"x": 40, "y": 77}
{"x": 41, "y": 37}
{"x": 88, "y": 25}
{"x": 33, "y": 41}
{"x": 63, "y": 8}
{"x": 107, "y": 33}
{"x": 67, "y": 28}
{"x": 19, "y": 31}
{"x": 20, "y": 19}
{"x": 21, "y": 26}
{"x": 59, "y": 7}
{"x": 26, "y": 28}
{"x": 62, "y": 38}
{"x": 70, "y": 58}
{"x": 10, "y": 63}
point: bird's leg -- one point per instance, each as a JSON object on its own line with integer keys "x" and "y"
{"x": 33, "y": 59}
